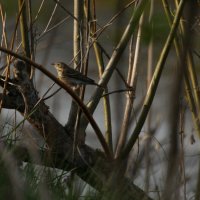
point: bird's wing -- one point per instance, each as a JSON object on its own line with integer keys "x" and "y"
{"x": 74, "y": 74}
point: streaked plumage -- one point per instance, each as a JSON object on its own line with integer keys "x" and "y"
{"x": 71, "y": 76}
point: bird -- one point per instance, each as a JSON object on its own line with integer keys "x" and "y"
{"x": 71, "y": 76}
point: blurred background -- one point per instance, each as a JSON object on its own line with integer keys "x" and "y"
{"x": 54, "y": 42}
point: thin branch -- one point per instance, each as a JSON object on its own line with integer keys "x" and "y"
{"x": 154, "y": 82}
{"x": 100, "y": 63}
{"x": 117, "y": 91}
{"x": 68, "y": 12}
{"x": 111, "y": 66}
{"x": 100, "y": 31}
{"x": 68, "y": 90}
{"x": 39, "y": 10}
{"x": 130, "y": 96}
{"x": 52, "y": 28}
{"x": 51, "y": 17}
{"x": 117, "y": 70}
{"x": 194, "y": 102}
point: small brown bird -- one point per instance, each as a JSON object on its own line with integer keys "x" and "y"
{"x": 71, "y": 76}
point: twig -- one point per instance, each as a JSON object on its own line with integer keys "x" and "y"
{"x": 132, "y": 78}
{"x": 111, "y": 66}
{"x": 154, "y": 83}
{"x": 117, "y": 91}
{"x": 100, "y": 31}
{"x": 71, "y": 92}
{"x": 100, "y": 63}
{"x": 68, "y": 12}
{"x": 51, "y": 17}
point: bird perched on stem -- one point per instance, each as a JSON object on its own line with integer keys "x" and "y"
{"x": 71, "y": 76}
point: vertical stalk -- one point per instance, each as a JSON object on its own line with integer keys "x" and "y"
{"x": 154, "y": 83}
{"x": 116, "y": 55}
{"x": 4, "y": 38}
{"x": 197, "y": 193}
{"x": 31, "y": 36}
{"x": 130, "y": 95}
{"x": 75, "y": 112}
{"x": 117, "y": 32}
{"x": 171, "y": 179}
{"x": 78, "y": 16}
{"x": 192, "y": 76}
{"x": 149, "y": 77}
{"x": 24, "y": 31}
{"x": 189, "y": 75}
{"x": 182, "y": 148}
{"x": 106, "y": 100}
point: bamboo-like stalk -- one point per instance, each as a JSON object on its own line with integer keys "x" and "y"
{"x": 4, "y": 38}
{"x": 73, "y": 119}
{"x": 111, "y": 66}
{"x": 194, "y": 80}
{"x": 32, "y": 52}
{"x": 80, "y": 35}
{"x": 182, "y": 149}
{"x": 24, "y": 31}
{"x": 78, "y": 14}
{"x": 83, "y": 55}
{"x": 154, "y": 83}
{"x": 172, "y": 169}
{"x": 188, "y": 89}
{"x": 150, "y": 133}
{"x": 130, "y": 95}
{"x": 189, "y": 75}
{"x": 197, "y": 193}
{"x": 118, "y": 100}
{"x": 106, "y": 100}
